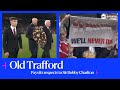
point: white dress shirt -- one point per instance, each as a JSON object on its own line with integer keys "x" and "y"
{"x": 13, "y": 28}
{"x": 49, "y": 29}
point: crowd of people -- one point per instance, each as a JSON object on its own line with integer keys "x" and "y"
{"x": 66, "y": 51}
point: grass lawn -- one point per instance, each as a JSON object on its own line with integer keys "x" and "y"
{"x": 26, "y": 53}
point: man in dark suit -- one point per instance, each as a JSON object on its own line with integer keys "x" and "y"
{"x": 12, "y": 40}
{"x": 33, "y": 46}
{"x": 47, "y": 47}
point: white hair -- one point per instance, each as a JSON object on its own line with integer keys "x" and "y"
{"x": 46, "y": 21}
{"x": 34, "y": 18}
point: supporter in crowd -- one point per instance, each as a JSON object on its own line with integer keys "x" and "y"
{"x": 64, "y": 45}
{"x": 65, "y": 50}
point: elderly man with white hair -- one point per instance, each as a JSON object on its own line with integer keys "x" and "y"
{"x": 47, "y": 47}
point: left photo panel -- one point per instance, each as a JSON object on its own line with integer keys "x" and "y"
{"x": 29, "y": 35}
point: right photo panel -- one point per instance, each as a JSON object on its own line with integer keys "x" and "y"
{"x": 85, "y": 35}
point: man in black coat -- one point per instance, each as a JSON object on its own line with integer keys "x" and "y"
{"x": 48, "y": 32}
{"x": 33, "y": 46}
{"x": 12, "y": 40}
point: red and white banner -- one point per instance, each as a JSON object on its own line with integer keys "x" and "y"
{"x": 95, "y": 32}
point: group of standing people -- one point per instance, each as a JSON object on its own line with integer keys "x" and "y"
{"x": 12, "y": 41}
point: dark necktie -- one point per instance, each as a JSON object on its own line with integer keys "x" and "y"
{"x": 14, "y": 32}
{"x": 49, "y": 30}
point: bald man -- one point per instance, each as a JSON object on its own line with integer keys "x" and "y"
{"x": 33, "y": 46}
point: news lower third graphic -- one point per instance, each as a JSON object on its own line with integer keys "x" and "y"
{"x": 31, "y": 65}
{"x": 44, "y": 65}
